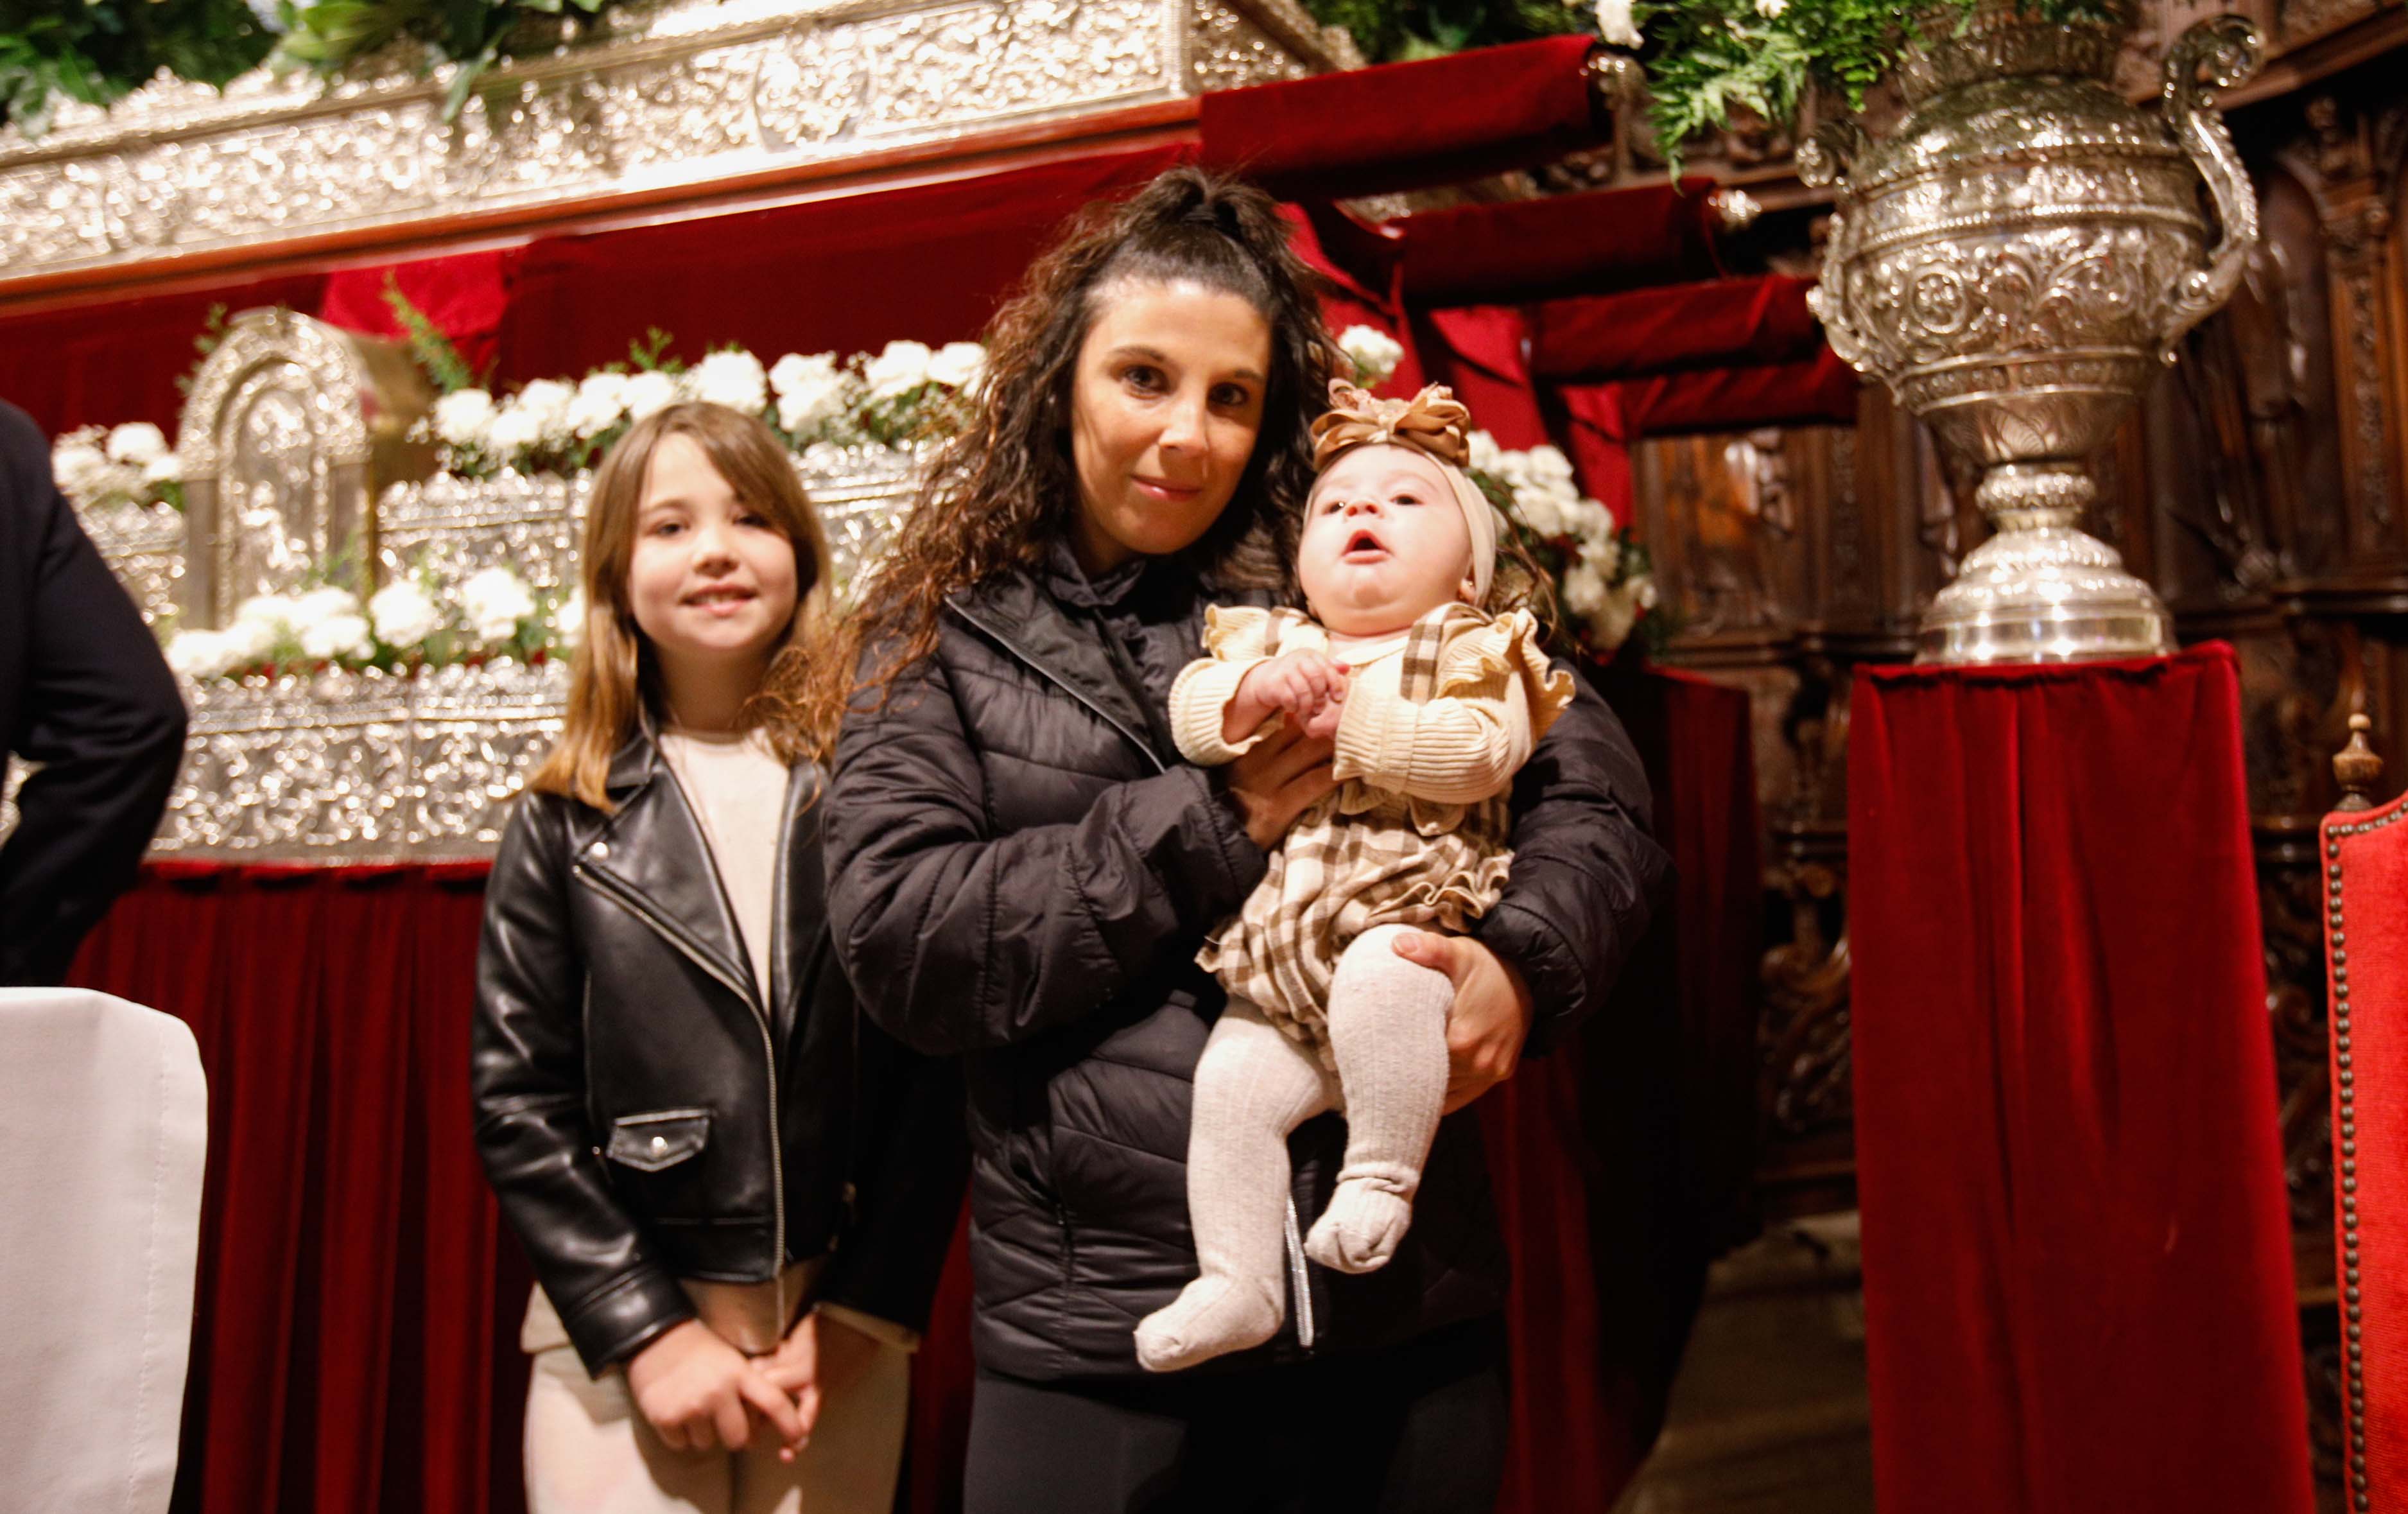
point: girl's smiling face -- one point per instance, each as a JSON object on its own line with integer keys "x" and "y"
{"x": 712, "y": 580}
{"x": 1385, "y": 543}
{"x": 1166, "y": 402}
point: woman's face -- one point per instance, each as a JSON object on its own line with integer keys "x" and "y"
{"x": 1165, "y": 405}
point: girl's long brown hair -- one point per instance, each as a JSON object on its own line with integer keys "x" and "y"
{"x": 614, "y": 680}
{"x": 1005, "y": 487}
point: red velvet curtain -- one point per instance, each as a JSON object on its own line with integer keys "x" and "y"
{"x": 354, "y": 1338}
{"x": 1406, "y": 125}
{"x": 2077, "y": 1258}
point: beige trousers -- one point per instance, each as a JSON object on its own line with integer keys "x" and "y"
{"x": 589, "y": 1452}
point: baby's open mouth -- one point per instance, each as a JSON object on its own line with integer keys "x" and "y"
{"x": 1363, "y": 543}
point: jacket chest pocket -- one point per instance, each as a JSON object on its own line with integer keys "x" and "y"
{"x": 656, "y": 1142}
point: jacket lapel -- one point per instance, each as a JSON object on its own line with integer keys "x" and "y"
{"x": 654, "y": 848}
{"x": 1023, "y": 619}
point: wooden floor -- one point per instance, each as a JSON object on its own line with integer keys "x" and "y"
{"x": 1769, "y": 1416}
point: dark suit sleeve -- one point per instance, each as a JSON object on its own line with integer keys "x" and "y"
{"x": 1587, "y": 874}
{"x": 97, "y": 710}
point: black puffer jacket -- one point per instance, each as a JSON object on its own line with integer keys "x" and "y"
{"x": 644, "y": 1117}
{"x": 1023, "y": 870}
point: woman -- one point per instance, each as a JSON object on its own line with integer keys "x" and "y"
{"x": 1022, "y": 872}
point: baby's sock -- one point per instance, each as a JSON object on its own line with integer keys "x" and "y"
{"x": 1253, "y": 1087}
{"x": 1387, "y": 1030}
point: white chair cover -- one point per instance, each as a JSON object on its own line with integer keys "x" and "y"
{"x": 104, "y": 1124}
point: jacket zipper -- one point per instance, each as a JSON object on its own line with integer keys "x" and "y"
{"x": 1299, "y": 1283}
{"x": 1065, "y": 685}
{"x": 676, "y": 936}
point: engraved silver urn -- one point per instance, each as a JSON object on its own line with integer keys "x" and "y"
{"x": 2014, "y": 259}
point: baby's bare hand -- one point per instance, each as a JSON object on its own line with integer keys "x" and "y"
{"x": 1300, "y": 684}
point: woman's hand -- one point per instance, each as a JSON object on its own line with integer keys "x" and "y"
{"x": 1278, "y": 780}
{"x": 820, "y": 1358}
{"x": 1492, "y": 1012}
{"x": 700, "y": 1393}
{"x": 1309, "y": 687}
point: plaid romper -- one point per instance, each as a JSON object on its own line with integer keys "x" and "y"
{"x": 1403, "y": 840}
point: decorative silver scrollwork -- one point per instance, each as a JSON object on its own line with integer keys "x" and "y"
{"x": 2216, "y": 53}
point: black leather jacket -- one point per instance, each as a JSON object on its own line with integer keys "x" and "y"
{"x": 644, "y": 1117}
{"x": 1023, "y": 870}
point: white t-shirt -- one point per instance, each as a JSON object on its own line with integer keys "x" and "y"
{"x": 737, "y": 787}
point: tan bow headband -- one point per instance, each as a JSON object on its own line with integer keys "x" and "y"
{"x": 1433, "y": 423}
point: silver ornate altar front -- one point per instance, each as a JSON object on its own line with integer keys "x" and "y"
{"x": 684, "y": 93}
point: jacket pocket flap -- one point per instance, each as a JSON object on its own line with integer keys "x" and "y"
{"x": 649, "y": 1143}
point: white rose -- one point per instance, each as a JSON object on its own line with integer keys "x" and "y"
{"x": 795, "y": 371}
{"x": 461, "y": 417}
{"x": 272, "y": 611}
{"x": 494, "y": 600}
{"x": 1771, "y": 9}
{"x": 735, "y": 380}
{"x": 79, "y": 468}
{"x": 322, "y": 603}
{"x": 1585, "y": 589}
{"x": 199, "y": 653}
{"x": 958, "y": 364}
{"x": 1588, "y": 520}
{"x": 136, "y": 442}
{"x": 250, "y": 639}
{"x": 513, "y": 431}
{"x": 1373, "y": 351}
{"x": 1641, "y": 590}
{"x": 1610, "y": 624}
{"x": 336, "y": 636}
{"x": 603, "y": 387}
{"x": 1541, "y": 511}
{"x": 404, "y": 615}
{"x": 1486, "y": 456}
{"x": 1614, "y": 24}
{"x": 1603, "y": 552}
{"x": 649, "y": 391}
{"x": 568, "y": 621}
{"x": 807, "y": 405}
{"x": 903, "y": 365}
{"x": 164, "y": 469}
{"x": 1549, "y": 466}
{"x": 590, "y": 415}
{"x": 547, "y": 400}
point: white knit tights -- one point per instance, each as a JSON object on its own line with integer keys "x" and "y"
{"x": 1255, "y": 1085}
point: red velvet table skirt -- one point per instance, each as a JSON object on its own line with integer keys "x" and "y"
{"x": 2077, "y": 1259}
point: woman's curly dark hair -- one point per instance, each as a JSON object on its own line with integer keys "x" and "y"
{"x": 1005, "y": 487}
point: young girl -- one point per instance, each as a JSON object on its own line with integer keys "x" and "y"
{"x": 1433, "y": 703}
{"x": 672, "y": 1087}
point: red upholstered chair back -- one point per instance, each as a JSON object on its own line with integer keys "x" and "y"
{"x": 2366, "y": 962}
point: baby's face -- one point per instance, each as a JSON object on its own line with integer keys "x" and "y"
{"x": 1385, "y": 543}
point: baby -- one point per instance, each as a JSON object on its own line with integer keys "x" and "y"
{"x": 1434, "y": 702}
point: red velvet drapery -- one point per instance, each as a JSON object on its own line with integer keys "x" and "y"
{"x": 2077, "y": 1261}
{"x": 355, "y": 1346}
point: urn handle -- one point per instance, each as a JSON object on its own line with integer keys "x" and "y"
{"x": 1823, "y": 160}
{"x": 2213, "y": 54}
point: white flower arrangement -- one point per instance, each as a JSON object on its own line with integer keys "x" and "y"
{"x": 1600, "y": 571}
{"x": 556, "y": 426}
{"x": 1374, "y": 354}
{"x": 412, "y": 622}
{"x": 126, "y": 465}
